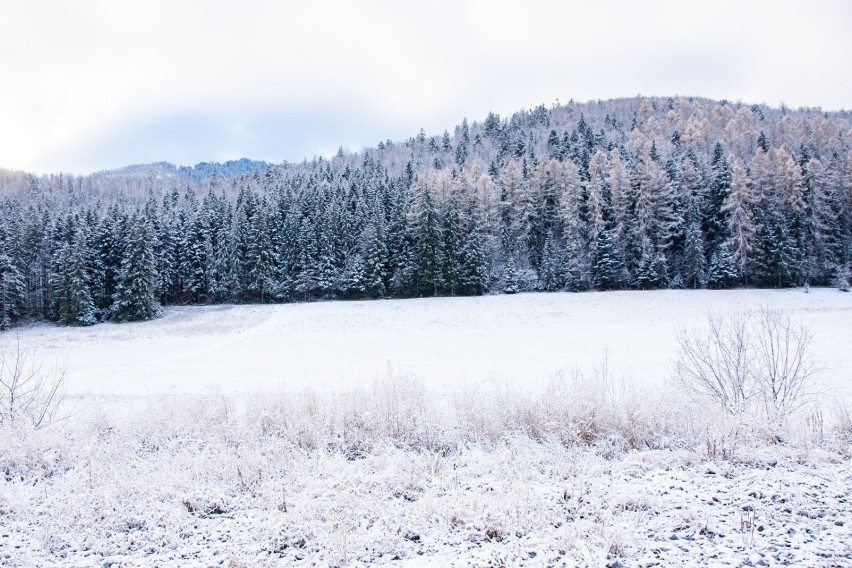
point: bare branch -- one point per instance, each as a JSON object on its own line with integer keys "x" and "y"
{"x": 26, "y": 393}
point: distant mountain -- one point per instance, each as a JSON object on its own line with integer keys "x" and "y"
{"x": 198, "y": 172}
{"x": 205, "y": 170}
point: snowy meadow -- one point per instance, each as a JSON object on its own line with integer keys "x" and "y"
{"x": 535, "y": 429}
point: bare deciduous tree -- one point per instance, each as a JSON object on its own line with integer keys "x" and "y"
{"x": 784, "y": 365}
{"x": 26, "y": 392}
{"x": 740, "y": 359}
{"x": 716, "y": 362}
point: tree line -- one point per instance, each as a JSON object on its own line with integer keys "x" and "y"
{"x": 626, "y": 194}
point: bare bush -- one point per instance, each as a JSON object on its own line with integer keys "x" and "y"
{"x": 741, "y": 359}
{"x": 26, "y": 392}
{"x": 717, "y": 362}
{"x": 785, "y": 368}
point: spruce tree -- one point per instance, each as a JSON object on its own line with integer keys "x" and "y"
{"x": 451, "y": 269}
{"x": 474, "y": 265}
{"x": 12, "y": 292}
{"x": 550, "y": 274}
{"x": 693, "y": 251}
{"x": 73, "y": 304}
{"x": 428, "y": 237}
{"x": 511, "y": 284}
{"x": 375, "y": 269}
{"x": 134, "y": 298}
{"x": 715, "y": 217}
{"x": 608, "y": 267}
{"x": 721, "y": 272}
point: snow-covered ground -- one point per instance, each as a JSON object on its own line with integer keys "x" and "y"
{"x": 435, "y": 432}
{"x": 445, "y": 342}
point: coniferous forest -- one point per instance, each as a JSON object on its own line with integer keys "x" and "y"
{"x": 637, "y": 193}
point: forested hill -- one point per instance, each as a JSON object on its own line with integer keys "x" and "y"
{"x": 630, "y": 193}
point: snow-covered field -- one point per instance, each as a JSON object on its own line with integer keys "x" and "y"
{"x": 447, "y": 343}
{"x": 535, "y": 430}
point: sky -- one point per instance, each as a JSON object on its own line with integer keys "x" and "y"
{"x": 93, "y": 85}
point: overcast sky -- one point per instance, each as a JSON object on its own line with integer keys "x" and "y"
{"x": 88, "y": 85}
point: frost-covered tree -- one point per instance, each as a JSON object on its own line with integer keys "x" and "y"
{"x": 693, "y": 250}
{"x": 134, "y": 298}
{"x": 375, "y": 269}
{"x": 715, "y": 217}
{"x": 511, "y": 284}
{"x": 828, "y": 248}
{"x": 739, "y": 206}
{"x": 721, "y": 272}
{"x": 425, "y": 226}
{"x": 12, "y": 292}
{"x": 73, "y": 304}
{"x": 608, "y": 267}
{"x": 551, "y": 271}
{"x": 645, "y": 192}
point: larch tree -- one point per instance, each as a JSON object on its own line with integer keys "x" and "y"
{"x": 739, "y": 206}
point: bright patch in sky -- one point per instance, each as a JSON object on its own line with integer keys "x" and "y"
{"x": 100, "y": 84}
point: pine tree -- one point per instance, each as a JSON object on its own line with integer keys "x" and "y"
{"x": 134, "y": 297}
{"x": 167, "y": 266}
{"x": 775, "y": 251}
{"x": 791, "y": 181}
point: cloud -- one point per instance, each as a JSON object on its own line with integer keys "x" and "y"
{"x": 94, "y": 84}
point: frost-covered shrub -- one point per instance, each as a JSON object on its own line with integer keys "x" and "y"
{"x": 742, "y": 361}
{"x": 29, "y": 393}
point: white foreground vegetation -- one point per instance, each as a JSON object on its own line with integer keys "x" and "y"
{"x": 586, "y": 469}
